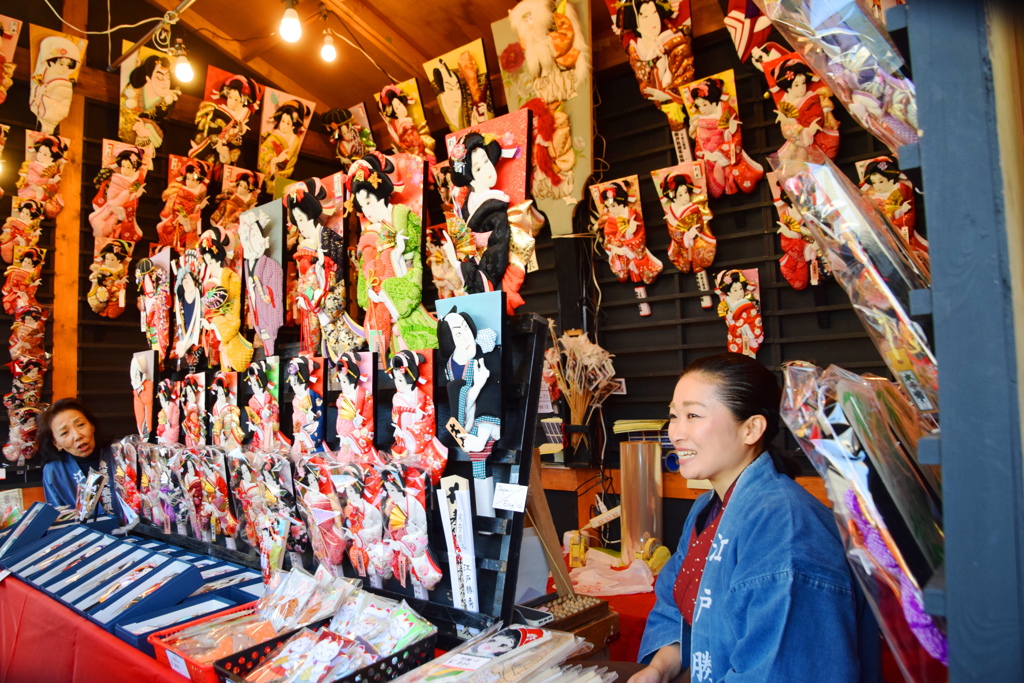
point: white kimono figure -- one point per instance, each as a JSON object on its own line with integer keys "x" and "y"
{"x": 53, "y": 81}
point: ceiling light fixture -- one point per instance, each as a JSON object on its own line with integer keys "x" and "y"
{"x": 328, "y": 53}
{"x": 182, "y": 69}
{"x": 290, "y": 27}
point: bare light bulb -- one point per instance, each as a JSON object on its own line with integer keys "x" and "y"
{"x": 183, "y": 69}
{"x": 328, "y": 53}
{"x": 290, "y": 28}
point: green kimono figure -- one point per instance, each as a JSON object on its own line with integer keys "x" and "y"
{"x": 390, "y": 281}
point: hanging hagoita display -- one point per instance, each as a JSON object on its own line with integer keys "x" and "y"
{"x": 349, "y": 130}
{"x": 285, "y": 120}
{"x": 682, "y": 190}
{"x": 462, "y": 85}
{"x": 148, "y": 94}
{"x": 58, "y": 59}
{"x": 224, "y": 116}
{"x": 740, "y": 305}
{"x": 39, "y": 177}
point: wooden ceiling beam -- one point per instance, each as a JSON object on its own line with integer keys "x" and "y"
{"x": 362, "y": 19}
{"x": 233, "y": 50}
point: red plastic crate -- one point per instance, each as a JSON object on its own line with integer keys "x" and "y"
{"x": 183, "y": 664}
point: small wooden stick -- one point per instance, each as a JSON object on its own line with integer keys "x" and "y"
{"x": 540, "y": 516}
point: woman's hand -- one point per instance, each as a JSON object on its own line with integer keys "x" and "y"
{"x": 649, "y": 675}
{"x": 664, "y": 667}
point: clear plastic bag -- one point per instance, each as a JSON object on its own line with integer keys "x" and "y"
{"x": 856, "y": 58}
{"x": 870, "y": 262}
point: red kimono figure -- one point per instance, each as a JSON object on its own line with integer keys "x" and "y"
{"x": 222, "y": 307}
{"x": 799, "y": 263}
{"x": 625, "y": 240}
{"x": 715, "y": 127}
{"x": 193, "y": 401}
{"x": 184, "y": 200}
{"x": 355, "y": 425}
{"x": 21, "y": 229}
{"x": 263, "y": 411}
{"x": 302, "y": 210}
{"x": 223, "y": 120}
{"x": 39, "y": 177}
{"x": 118, "y": 188}
{"x": 687, "y": 215}
{"x": 326, "y": 515}
{"x": 22, "y": 278}
{"x": 168, "y": 420}
{"x": 28, "y": 331}
{"x": 741, "y": 309}
{"x": 804, "y": 107}
{"x": 412, "y": 412}
{"x": 156, "y": 305}
{"x": 893, "y": 194}
{"x": 404, "y": 508}
{"x": 364, "y": 525}
{"x": 109, "y": 278}
{"x": 407, "y": 136}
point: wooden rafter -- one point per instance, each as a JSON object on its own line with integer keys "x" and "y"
{"x": 365, "y": 21}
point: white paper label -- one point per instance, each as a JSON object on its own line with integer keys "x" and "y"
{"x": 177, "y": 663}
{"x": 3, "y": 473}
{"x": 544, "y": 404}
{"x": 510, "y": 497}
{"x": 467, "y": 662}
{"x": 4, "y": 574}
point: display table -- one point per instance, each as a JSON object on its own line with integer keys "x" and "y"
{"x": 42, "y": 640}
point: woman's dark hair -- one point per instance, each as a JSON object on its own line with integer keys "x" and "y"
{"x": 407, "y": 362}
{"x": 133, "y": 154}
{"x": 617, "y": 192}
{"x": 335, "y": 117}
{"x": 117, "y": 248}
{"x": 296, "y": 110}
{"x": 165, "y": 390}
{"x": 33, "y": 254}
{"x": 359, "y": 179}
{"x": 210, "y": 243}
{"x": 787, "y": 72}
{"x": 193, "y": 167}
{"x": 248, "y": 176}
{"x": 887, "y": 168}
{"x": 44, "y": 435}
{"x": 348, "y": 368}
{"x": 445, "y": 342}
{"x": 673, "y": 181}
{"x": 257, "y": 371}
{"x": 747, "y": 388}
{"x": 438, "y": 78}
{"x": 307, "y": 201}
{"x": 302, "y": 367}
{"x": 35, "y": 209}
{"x": 462, "y": 169}
{"x": 245, "y": 87}
{"x": 53, "y": 143}
{"x": 387, "y": 99}
{"x": 630, "y": 10}
{"x": 393, "y": 475}
{"x": 144, "y": 71}
{"x": 709, "y": 89}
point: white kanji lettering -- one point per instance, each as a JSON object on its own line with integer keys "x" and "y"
{"x": 700, "y": 666}
{"x": 702, "y": 604}
{"x": 717, "y": 546}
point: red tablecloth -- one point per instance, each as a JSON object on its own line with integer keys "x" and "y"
{"x": 42, "y": 640}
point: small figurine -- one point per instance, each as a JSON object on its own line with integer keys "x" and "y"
{"x": 184, "y": 199}
{"x": 226, "y": 417}
{"x": 350, "y": 131}
{"x": 109, "y": 277}
{"x": 222, "y": 305}
{"x": 119, "y": 185}
{"x": 263, "y": 411}
{"x": 621, "y": 226}
{"x": 263, "y": 278}
{"x": 39, "y": 177}
{"x": 22, "y": 229}
{"x": 804, "y": 107}
{"x": 188, "y": 305}
{"x": 307, "y": 403}
{"x": 462, "y": 85}
{"x": 141, "y": 373}
{"x": 169, "y": 417}
{"x": 58, "y": 59}
{"x": 302, "y": 210}
{"x": 193, "y": 399}
{"x": 893, "y": 193}
{"x": 156, "y": 301}
{"x": 23, "y": 278}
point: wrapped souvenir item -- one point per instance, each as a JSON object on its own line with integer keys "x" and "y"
{"x": 323, "y": 512}
{"x": 156, "y": 301}
{"x": 23, "y": 227}
{"x": 215, "y": 495}
{"x": 470, "y": 333}
{"x": 404, "y": 508}
{"x": 389, "y": 288}
{"x": 141, "y": 372}
{"x": 9, "y": 30}
{"x": 224, "y": 116}
{"x": 126, "y": 474}
{"x": 119, "y": 185}
{"x": 58, "y": 59}
{"x": 364, "y": 525}
{"x": 886, "y": 514}
{"x": 39, "y": 177}
{"x": 350, "y": 131}
{"x": 169, "y": 417}
{"x": 892, "y": 192}
{"x": 740, "y": 305}
{"x": 801, "y": 263}
{"x": 857, "y": 61}
{"x": 88, "y": 495}
{"x": 282, "y": 130}
{"x": 871, "y": 263}
{"x": 147, "y": 98}
{"x": 263, "y": 411}
{"x": 682, "y": 190}
{"x": 804, "y": 106}
{"x": 193, "y": 400}
{"x": 403, "y": 114}
{"x": 715, "y": 128}
{"x": 512, "y": 654}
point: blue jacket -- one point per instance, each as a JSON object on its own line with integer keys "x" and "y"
{"x": 61, "y": 477}
{"x": 777, "y": 600}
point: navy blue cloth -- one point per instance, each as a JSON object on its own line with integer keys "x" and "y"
{"x": 61, "y": 477}
{"x": 777, "y": 600}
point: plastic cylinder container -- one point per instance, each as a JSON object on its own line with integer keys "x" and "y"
{"x": 640, "y": 472}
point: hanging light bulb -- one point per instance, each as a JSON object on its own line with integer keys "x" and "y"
{"x": 182, "y": 69}
{"x": 328, "y": 53}
{"x": 290, "y": 28}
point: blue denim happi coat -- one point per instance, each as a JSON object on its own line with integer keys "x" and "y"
{"x": 777, "y": 600}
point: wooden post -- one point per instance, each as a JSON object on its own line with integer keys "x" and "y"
{"x": 68, "y": 235}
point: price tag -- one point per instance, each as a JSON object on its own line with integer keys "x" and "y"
{"x": 3, "y": 473}
{"x": 544, "y": 404}
{"x": 510, "y": 497}
{"x": 177, "y": 663}
{"x": 467, "y": 662}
